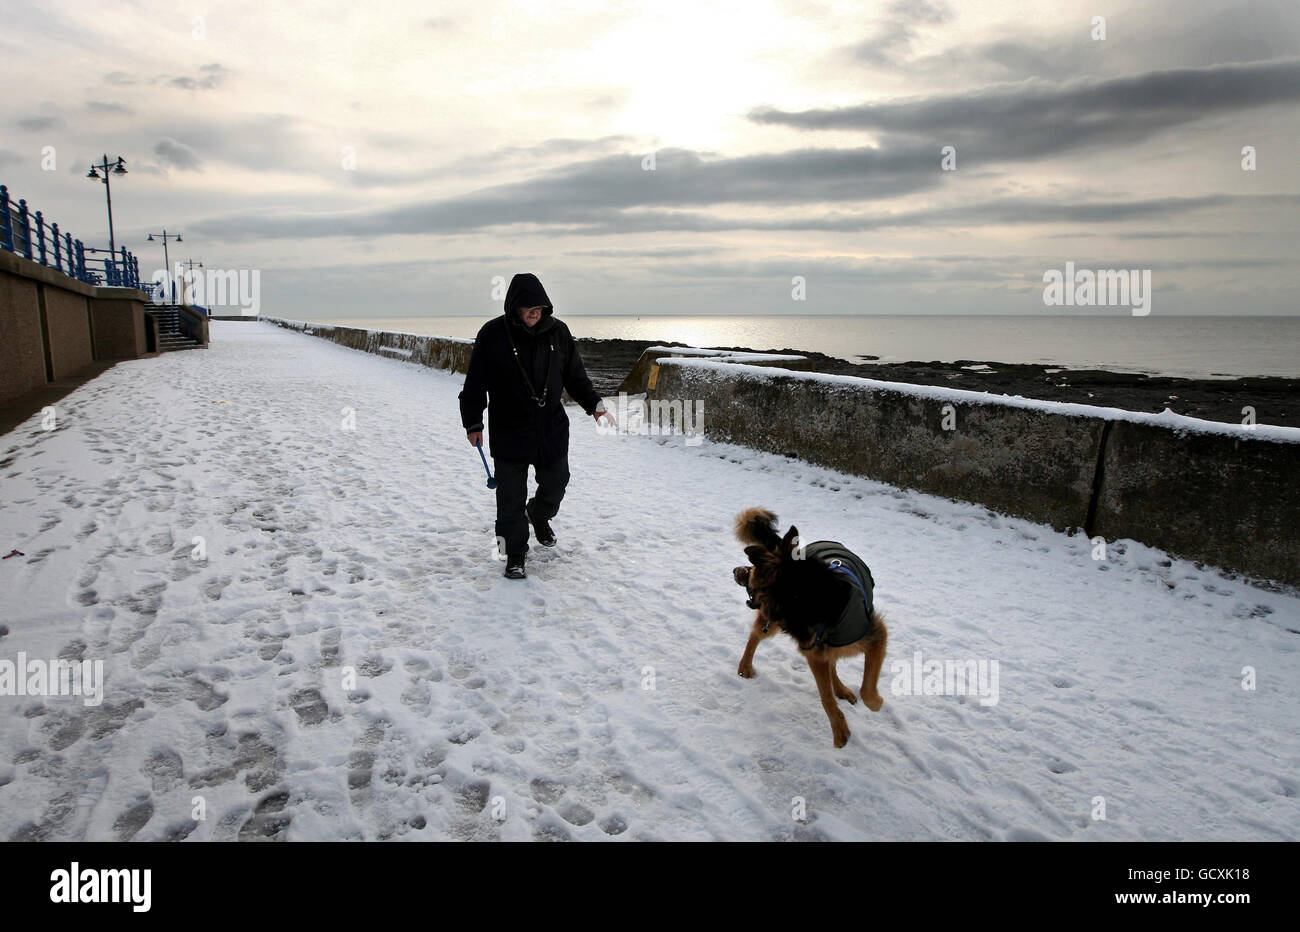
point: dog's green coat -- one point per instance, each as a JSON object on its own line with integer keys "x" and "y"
{"x": 855, "y": 621}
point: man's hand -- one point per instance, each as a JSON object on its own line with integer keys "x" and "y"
{"x": 475, "y": 438}
{"x": 603, "y": 413}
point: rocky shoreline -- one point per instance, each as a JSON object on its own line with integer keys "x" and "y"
{"x": 1275, "y": 400}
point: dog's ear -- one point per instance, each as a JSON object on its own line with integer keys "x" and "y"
{"x": 759, "y": 556}
{"x": 790, "y": 541}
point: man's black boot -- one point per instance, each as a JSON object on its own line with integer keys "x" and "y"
{"x": 515, "y": 566}
{"x": 541, "y": 529}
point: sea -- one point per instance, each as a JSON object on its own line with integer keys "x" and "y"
{"x": 1188, "y": 347}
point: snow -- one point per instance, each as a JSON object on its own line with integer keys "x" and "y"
{"x": 1167, "y": 418}
{"x": 722, "y": 355}
{"x": 486, "y": 708}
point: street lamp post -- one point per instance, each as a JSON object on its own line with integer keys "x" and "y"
{"x": 166, "y": 258}
{"x": 118, "y": 168}
{"x": 189, "y": 265}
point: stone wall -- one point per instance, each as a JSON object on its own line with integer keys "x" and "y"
{"x": 1221, "y": 493}
{"x": 53, "y": 327}
{"x": 435, "y": 352}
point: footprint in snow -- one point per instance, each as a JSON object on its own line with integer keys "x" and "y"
{"x": 310, "y": 707}
{"x": 129, "y": 823}
{"x": 164, "y": 769}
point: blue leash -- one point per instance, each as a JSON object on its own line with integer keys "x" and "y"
{"x": 492, "y": 483}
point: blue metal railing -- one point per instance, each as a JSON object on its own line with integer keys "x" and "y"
{"x": 27, "y": 234}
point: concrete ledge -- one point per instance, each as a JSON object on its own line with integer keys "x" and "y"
{"x": 14, "y": 264}
{"x": 1221, "y": 493}
{"x": 434, "y": 352}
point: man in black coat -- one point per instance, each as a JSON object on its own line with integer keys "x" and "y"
{"x": 521, "y": 365}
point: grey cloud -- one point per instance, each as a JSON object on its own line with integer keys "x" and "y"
{"x": 513, "y": 156}
{"x": 264, "y": 141}
{"x": 174, "y": 154}
{"x": 39, "y": 124}
{"x": 1034, "y": 119}
{"x": 1189, "y": 35}
{"x": 106, "y": 107}
{"x": 921, "y": 11}
{"x": 1157, "y": 234}
{"x": 459, "y": 215}
{"x": 1008, "y": 270}
{"x": 1171, "y": 234}
{"x": 501, "y": 159}
{"x": 211, "y": 77}
{"x": 996, "y": 212}
{"x": 647, "y": 252}
{"x": 594, "y": 192}
{"x": 120, "y": 78}
{"x": 892, "y": 40}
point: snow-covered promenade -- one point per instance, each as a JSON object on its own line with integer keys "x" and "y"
{"x": 598, "y": 699}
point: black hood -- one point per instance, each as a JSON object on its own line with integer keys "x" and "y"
{"x": 526, "y": 291}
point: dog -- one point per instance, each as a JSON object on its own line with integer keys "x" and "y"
{"x": 818, "y": 595}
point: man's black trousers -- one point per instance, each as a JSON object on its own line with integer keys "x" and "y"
{"x": 512, "y": 493}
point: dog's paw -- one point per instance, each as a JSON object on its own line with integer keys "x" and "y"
{"x": 847, "y": 695}
{"x": 746, "y": 672}
{"x": 840, "y": 729}
{"x": 874, "y": 702}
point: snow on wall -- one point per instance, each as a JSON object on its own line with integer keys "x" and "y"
{"x": 1168, "y": 419}
{"x": 637, "y": 380}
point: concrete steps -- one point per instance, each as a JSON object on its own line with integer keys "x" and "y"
{"x": 169, "y": 342}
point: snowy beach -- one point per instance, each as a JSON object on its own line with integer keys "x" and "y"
{"x": 346, "y": 661}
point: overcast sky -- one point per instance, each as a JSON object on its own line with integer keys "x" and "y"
{"x": 789, "y": 139}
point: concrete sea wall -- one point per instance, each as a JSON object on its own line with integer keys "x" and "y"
{"x": 435, "y": 352}
{"x": 1220, "y": 493}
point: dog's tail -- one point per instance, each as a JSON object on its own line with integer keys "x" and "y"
{"x": 757, "y": 526}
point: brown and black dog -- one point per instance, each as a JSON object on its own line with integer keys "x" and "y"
{"x": 807, "y": 598}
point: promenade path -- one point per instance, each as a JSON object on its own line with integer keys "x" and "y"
{"x": 598, "y": 699}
